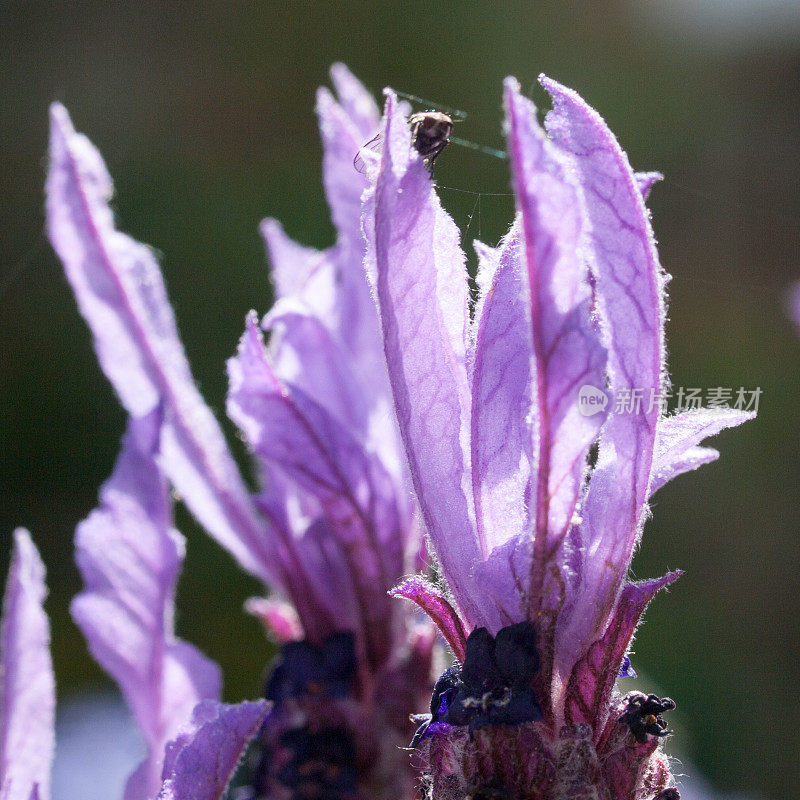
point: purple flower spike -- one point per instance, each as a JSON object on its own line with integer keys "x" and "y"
{"x": 27, "y": 686}
{"x": 499, "y": 416}
{"x": 129, "y": 556}
{"x": 335, "y": 525}
{"x": 496, "y": 428}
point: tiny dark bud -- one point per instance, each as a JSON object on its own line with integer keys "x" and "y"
{"x": 642, "y": 715}
{"x": 492, "y": 687}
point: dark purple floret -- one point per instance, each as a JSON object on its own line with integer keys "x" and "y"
{"x": 440, "y": 701}
{"x": 322, "y": 766}
{"x": 516, "y": 655}
{"x": 447, "y": 680}
{"x": 304, "y": 669}
{"x": 494, "y": 684}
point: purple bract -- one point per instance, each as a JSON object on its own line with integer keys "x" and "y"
{"x": 534, "y": 529}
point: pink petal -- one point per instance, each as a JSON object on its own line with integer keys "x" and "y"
{"x": 646, "y": 180}
{"x": 27, "y": 685}
{"x": 330, "y": 329}
{"x": 299, "y": 272}
{"x": 130, "y": 556}
{"x": 677, "y": 450}
{"x": 121, "y": 295}
{"x": 344, "y": 185}
{"x": 422, "y": 294}
{"x": 345, "y": 126}
{"x": 279, "y": 618}
{"x": 297, "y": 437}
{"x": 356, "y": 100}
{"x": 307, "y": 354}
{"x": 630, "y": 305}
{"x": 502, "y": 392}
{"x": 566, "y": 351}
{"x": 201, "y": 761}
{"x": 438, "y": 608}
{"x": 592, "y": 680}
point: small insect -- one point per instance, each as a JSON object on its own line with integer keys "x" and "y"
{"x": 430, "y": 134}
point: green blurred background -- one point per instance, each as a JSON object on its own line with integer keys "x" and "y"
{"x": 204, "y": 112}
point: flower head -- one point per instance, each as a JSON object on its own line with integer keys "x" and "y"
{"x": 534, "y": 507}
{"x": 333, "y": 525}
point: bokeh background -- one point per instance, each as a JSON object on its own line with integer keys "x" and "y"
{"x": 204, "y": 112}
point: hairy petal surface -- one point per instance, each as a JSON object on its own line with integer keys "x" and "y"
{"x": 341, "y": 138}
{"x": 315, "y": 573}
{"x": 356, "y": 100}
{"x": 433, "y": 602}
{"x": 308, "y": 355}
{"x": 565, "y": 347}
{"x": 27, "y": 685}
{"x": 422, "y": 296}
{"x": 129, "y": 557}
{"x": 296, "y": 436}
{"x": 121, "y": 295}
{"x": 300, "y": 272}
{"x": 593, "y": 677}
{"x": 345, "y": 126}
{"x": 629, "y": 291}
{"x": 200, "y": 762}
{"x": 646, "y": 180}
{"x": 328, "y": 339}
{"x": 677, "y": 447}
{"x": 502, "y": 391}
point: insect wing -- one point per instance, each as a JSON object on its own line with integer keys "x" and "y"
{"x": 454, "y": 113}
{"x": 375, "y": 144}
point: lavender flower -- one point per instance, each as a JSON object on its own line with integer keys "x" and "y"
{"x": 534, "y": 533}
{"x": 332, "y": 529}
{"x": 534, "y": 544}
